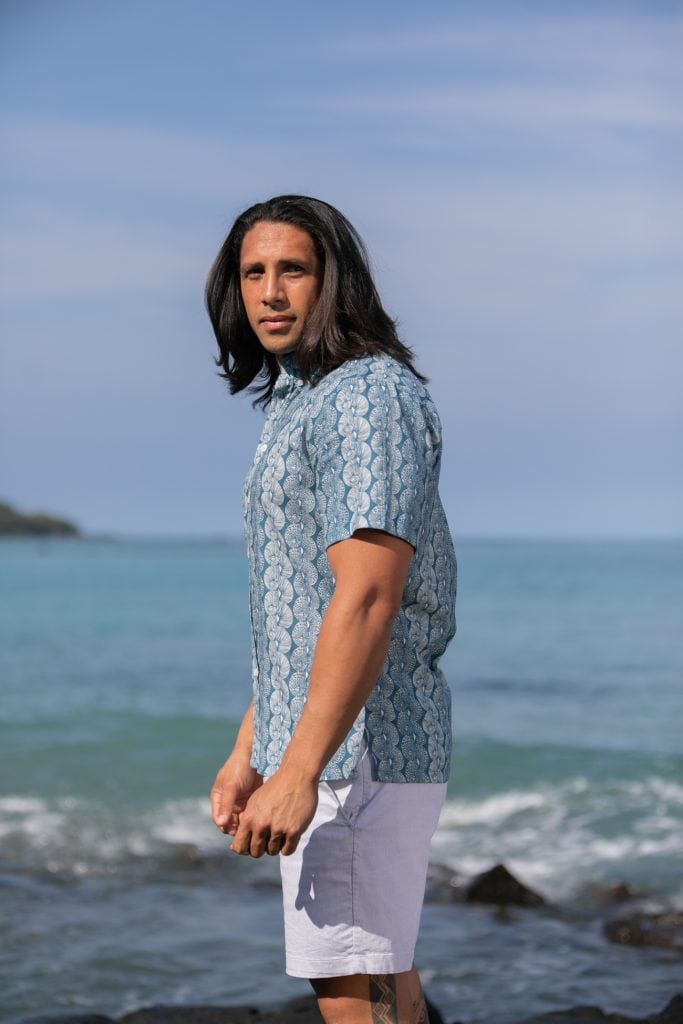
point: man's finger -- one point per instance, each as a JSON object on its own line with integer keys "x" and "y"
{"x": 241, "y": 842}
{"x": 257, "y": 846}
{"x": 233, "y": 824}
{"x": 290, "y": 844}
{"x": 222, "y": 804}
{"x": 275, "y": 844}
{"x": 227, "y": 823}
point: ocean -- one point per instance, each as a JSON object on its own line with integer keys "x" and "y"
{"x": 125, "y": 668}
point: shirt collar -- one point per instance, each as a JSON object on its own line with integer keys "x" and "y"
{"x": 289, "y": 365}
{"x": 288, "y": 376}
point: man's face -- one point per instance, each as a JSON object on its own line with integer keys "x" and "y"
{"x": 280, "y": 279}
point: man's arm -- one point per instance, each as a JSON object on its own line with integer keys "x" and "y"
{"x": 370, "y": 570}
{"x": 236, "y": 780}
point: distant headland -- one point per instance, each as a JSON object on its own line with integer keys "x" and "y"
{"x": 36, "y": 524}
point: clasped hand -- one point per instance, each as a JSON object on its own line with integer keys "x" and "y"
{"x": 264, "y": 817}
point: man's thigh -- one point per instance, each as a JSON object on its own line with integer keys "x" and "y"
{"x": 353, "y": 890}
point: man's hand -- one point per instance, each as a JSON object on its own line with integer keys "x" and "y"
{"x": 276, "y": 816}
{"x": 234, "y": 784}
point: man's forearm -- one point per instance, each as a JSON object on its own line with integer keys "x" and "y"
{"x": 245, "y": 733}
{"x": 352, "y": 646}
{"x": 236, "y": 780}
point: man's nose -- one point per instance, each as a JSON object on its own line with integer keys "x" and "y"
{"x": 273, "y": 291}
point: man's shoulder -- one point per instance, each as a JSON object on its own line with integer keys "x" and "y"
{"x": 379, "y": 388}
{"x": 373, "y": 370}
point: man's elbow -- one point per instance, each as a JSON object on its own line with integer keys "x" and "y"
{"x": 370, "y": 569}
{"x": 370, "y": 600}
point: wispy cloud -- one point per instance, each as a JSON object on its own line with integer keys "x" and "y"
{"x": 570, "y": 68}
{"x": 632, "y": 42}
{"x": 106, "y": 150}
{"x": 506, "y": 230}
{"x": 49, "y": 254}
{"x": 534, "y": 105}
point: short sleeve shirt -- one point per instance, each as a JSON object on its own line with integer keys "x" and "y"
{"x": 359, "y": 447}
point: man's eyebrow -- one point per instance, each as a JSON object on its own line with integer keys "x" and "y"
{"x": 287, "y": 261}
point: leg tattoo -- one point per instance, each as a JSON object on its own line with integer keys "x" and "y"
{"x": 420, "y": 1014}
{"x": 383, "y": 999}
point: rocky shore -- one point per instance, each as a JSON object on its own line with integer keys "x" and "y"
{"x": 500, "y": 889}
{"x": 497, "y": 888}
{"x": 305, "y": 1011}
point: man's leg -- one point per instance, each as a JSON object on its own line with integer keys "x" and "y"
{"x": 353, "y": 892}
{"x": 372, "y": 999}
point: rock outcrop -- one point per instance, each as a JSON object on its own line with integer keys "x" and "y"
{"x": 305, "y": 1011}
{"x": 500, "y": 887}
{"x": 664, "y": 930}
{"x": 37, "y": 524}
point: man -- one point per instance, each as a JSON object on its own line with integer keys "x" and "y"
{"x": 341, "y": 762}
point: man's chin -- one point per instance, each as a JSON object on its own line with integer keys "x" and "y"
{"x": 278, "y": 350}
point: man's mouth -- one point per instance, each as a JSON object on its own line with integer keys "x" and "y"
{"x": 275, "y": 323}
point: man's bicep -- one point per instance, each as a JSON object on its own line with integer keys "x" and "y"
{"x": 376, "y": 465}
{"x": 372, "y": 565}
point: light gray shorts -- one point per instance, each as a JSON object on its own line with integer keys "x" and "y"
{"x": 354, "y": 887}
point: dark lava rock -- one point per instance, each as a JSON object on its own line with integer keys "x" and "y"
{"x": 500, "y": 887}
{"x": 195, "y": 1015}
{"x": 69, "y": 1018}
{"x": 297, "y": 1011}
{"x": 581, "y": 1015}
{"x": 620, "y": 892}
{"x": 664, "y": 930}
{"x": 671, "y": 1014}
{"x": 444, "y": 885}
{"x": 598, "y": 894}
{"x": 433, "y": 1013}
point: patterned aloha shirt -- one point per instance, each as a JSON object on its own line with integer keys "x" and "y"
{"x": 359, "y": 447}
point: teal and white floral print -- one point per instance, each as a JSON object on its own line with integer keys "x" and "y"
{"x": 360, "y": 447}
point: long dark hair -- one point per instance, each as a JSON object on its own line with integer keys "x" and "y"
{"x": 347, "y": 322}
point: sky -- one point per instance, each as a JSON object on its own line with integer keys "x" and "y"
{"x": 515, "y": 170}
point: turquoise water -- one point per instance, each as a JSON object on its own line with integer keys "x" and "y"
{"x": 125, "y": 667}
